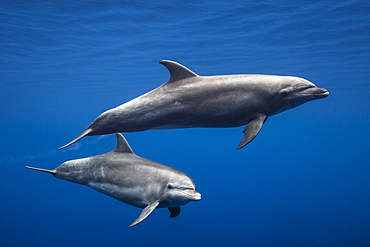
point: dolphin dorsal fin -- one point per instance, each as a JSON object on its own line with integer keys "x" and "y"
{"x": 177, "y": 71}
{"x": 122, "y": 145}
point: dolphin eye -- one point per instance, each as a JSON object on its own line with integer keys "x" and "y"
{"x": 169, "y": 186}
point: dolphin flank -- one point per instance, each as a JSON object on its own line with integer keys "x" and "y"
{"x": 188, "y": 100}
{"x": 131, "y": 179}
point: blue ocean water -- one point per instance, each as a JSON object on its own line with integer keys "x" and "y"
{"x": 304, "y": 181}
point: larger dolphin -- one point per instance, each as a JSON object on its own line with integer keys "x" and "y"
{"x": 188, "y": 100}
{"x": 131, "y": 179}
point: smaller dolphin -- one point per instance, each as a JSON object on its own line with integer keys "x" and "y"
{"x": 131, "y": 179}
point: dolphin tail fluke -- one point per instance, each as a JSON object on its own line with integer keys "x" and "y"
{"x": 85, "y": 133}
{"x": 41, "y": 170}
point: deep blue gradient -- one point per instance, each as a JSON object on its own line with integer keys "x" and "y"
{"x": 304, "y": 181}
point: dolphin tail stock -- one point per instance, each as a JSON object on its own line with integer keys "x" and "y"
{"x": 85, "y": 133}
{"x": 41, "y": 170}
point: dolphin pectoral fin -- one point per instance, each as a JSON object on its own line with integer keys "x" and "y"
{"x": 175, "y": 211}
{"x": 85, "y": 133}
{"x": 145, "y": 213}
{"x": 251, "y": 130}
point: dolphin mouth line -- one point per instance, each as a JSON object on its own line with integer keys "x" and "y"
{"x": 315, "y": 91}
{"x": 323, "y": 95}
{"x": 194, "y": 195}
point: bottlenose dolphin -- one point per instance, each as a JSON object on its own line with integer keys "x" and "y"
{"x": 188, "y": 100}
{"x": 131, "y": 179}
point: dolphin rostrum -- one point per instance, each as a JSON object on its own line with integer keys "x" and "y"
{"x": 188, "y": 100}
{"x": 131, "y": 179}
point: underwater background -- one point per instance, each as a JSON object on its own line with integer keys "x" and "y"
{"x": 303, "y": 181}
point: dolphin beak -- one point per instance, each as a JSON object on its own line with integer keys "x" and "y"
{"x": 197, "y": 196}
{"x": 190, "y": 194}
{"x": 321, "y": 93}
{"x": 318, "y": 93}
